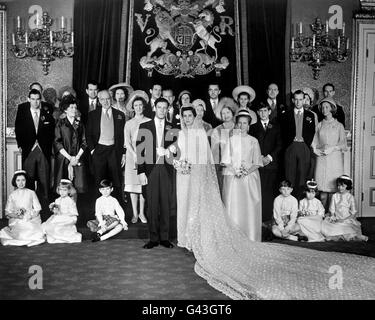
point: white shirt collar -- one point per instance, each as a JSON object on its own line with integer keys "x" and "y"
{"x": 214, "y": 100}
{"x": 264, "y": 122}
{"x": 269, "y": 100}
{"x": 298, "y": 110}
{"x": 92, "y": 100}
{"x": 157, "y": 121}
{"x": 33, "y": 111}
{"x": 109, "y": 111}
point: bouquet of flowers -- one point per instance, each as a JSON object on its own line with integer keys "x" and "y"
{"x": 241, "y": 172}
{"x": 286, "y": 219}
{"x": 182, "y": 166}
{"x": 54, "y": 208}
{"x": 21, "y": 212}
{"x": 303, "y": 213}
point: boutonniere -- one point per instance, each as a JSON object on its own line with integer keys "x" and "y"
{"x": 76, "y": 122}
{"x": 308, "y": 119}
{"x": 269, "y": 126}
{"x": 177, "y": 116}
{"x": 42, "y": 118}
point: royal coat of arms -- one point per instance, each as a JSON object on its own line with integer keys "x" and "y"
{"x": 184, "y": 41}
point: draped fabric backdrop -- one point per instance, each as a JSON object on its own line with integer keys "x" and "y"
{"x": 97, "y": 35}
{"x": 264, "y": 43}
{"x": 267, "y": 32}
{"x": 198, "y": 85}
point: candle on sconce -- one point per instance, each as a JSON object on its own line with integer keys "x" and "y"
{"x": 338, "y": 42}
{"x": 37, "y": 20}
{"x": 300, "y": 27}
{"x": 292, "y": 47}
{"x": 18, "y": 22}
{"x": 51, "y": 37}
{"x": 327, "y": 26}
{"x": 318, "y": 60}
{"x": 72, "y": 38}
{"x": 313, "y": 41}
{"x": 347, "y": 44}
{"x": 343, "y": 29}
{"x": 62, "y": 22}
{"x": 26, "y": 38}
{"x": 13, "y": 39}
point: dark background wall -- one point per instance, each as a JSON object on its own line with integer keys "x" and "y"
{"x": 22, "y": 72}
{"x": 337, "y": 73}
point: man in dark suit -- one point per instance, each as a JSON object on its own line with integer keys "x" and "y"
{"x": 329, "y": 91}
{"x": 276, "y": 106}
{"x": 89, "y": 102}
{"x": 268, "y": 135}
{"x": 155, "y": 92}
{"x": 298, "y": 129}
{"x": 212, "y": 105}
{"x": 154, "y": 154}
{"x": 105, "y": 140}
{"x": 35, "y": 132}
{"x": 173, "y": 113}
{"x": 44, "y": 105}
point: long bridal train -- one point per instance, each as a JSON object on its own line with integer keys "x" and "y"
{"x": 243, "y": 269}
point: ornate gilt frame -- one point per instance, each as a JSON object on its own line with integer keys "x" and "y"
{"x": 3, "y": 105}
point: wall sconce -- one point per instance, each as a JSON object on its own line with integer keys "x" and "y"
{"x": 42, "y": 42}
{"x": 319, "y": 48}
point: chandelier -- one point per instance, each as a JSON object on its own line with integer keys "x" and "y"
{"x": 43, "y": 43}
{"x": 319, "y": 48}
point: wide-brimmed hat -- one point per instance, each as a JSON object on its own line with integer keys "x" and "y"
{"x": 331, "y": 102}
{"x": 228, "y": 103}
{"x": 199, "y": 102}
{"x": 66, "y": 89}
{"x": 128, "y": 89}
{"x": 247, "y": 89}
{"x": 136, "y": 94}
{"x": 242, "y": 112}
{"x": 310, "y": 93}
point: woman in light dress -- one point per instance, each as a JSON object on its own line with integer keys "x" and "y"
{"x": 61, "y": 226}
{"x": 242, "y": 194}
{"x": 137, "y": 101}
{"x": 342, "y": 223}
{"x": 22, "y": 210}
{"x": 227, "y": 108}
{"x": 328, "y": 145}
{"x": 244, "y": 95}
{"x": 120, "y": 94}
{"x": 244, "y": 269}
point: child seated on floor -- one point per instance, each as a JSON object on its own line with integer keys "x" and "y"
{"x": 22, "y": 210}
{"x": 110, "y": 217}
{"x": 342, "y": 223}
{"x": 61, "y": 226}
{"x": 311, "y": 213}
{"x": 285, "y": 209}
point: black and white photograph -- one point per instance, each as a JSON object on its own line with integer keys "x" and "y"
{"x": 177, "y": 155}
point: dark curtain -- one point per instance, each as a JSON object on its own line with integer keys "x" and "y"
{"x": 97, "y": 33}
{"x": 267, "y": 23}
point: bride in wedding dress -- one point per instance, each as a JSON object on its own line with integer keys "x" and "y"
{"x": 243, "y": 269}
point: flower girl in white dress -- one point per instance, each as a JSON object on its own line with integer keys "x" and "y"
{"x": 61, "y": 226}
{"x": 22, "y": 210}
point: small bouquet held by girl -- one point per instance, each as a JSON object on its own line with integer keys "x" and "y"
{"x": 182, "y": 166}
{"x": 241, "y": 172}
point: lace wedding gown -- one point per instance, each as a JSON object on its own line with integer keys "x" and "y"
{"x": 243, "y": 269}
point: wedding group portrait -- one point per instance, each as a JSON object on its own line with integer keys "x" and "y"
{"x": 207, "y": 150}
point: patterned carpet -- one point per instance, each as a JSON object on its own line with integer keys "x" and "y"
{"x": 114, "y": 269}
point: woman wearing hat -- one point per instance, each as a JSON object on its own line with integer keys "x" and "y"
{"x": 200, "y": 108}
{"x": 328, "y": 145}
{"x": 137, "y": 103}
{"x": 184, "y": 99}
{"x": 69, "y": 146}
{"x": 244, "y": 95}
{"x": 241, "y": 187}
{"x": 227, "y": 109}
{"x": 120, "y": 93}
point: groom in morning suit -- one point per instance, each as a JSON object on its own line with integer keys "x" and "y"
{"x": 298, "y": 129}
{"x": 154, "y": 154}
{"x": 35, "y": 132}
